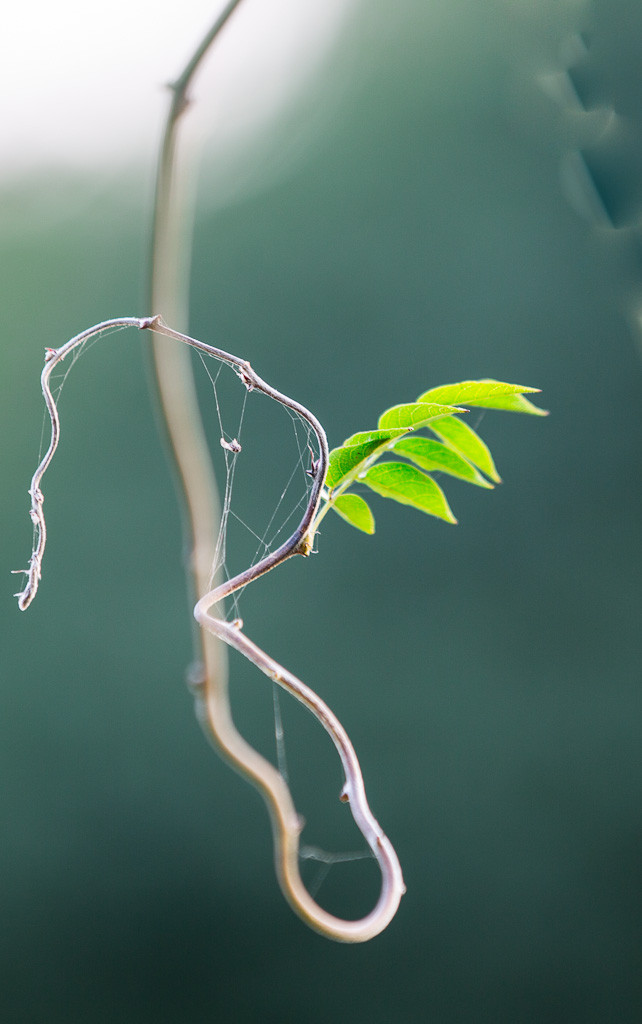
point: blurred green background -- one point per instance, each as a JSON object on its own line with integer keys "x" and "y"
{"x": 489, "y": 674}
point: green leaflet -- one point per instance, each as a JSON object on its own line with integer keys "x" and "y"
{"x": 410, "y": 486}
{"x": 355, "y": 511}
{"x": 463, "y": 440}
{"x": 414, "y": 415}
{"x": 514, "y": 403}
{"x": 374, "y": 435}
{"x": 433, "y": 455}
{"x": 492, "y": 394}
{"x": 350, "y": 456}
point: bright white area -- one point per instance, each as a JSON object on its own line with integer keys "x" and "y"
{"x": 82, "y": 82}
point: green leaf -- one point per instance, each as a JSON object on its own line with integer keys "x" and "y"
{"x": 409, "y": 486}
{"x": 414, "y": 415}
{"x": 347, "y": 459}
{"x": 355, "y": 511}
{"x": 492, "y": 394}
{"x": 433, "y": 455}
{"x": 513, "y": 403}
{"x": 463, "y": 440}
{"x": 375, "y": 435}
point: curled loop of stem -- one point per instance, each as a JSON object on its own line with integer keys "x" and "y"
{"x": 212, "y": 701}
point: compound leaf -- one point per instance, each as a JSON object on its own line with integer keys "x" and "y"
{"x": 433, "y": 456}
{"x": 463, "y": 440}
{"x": 409, "y": 486}
{"x": 355, "y": 511}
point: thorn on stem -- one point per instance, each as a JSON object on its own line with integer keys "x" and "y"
{"x": 244, "y": 376}
{"x": 147, "y": 322}
{"x": 314, "y": 464}
{"x": 306, "y": 545}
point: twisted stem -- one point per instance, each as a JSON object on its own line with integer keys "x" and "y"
{"x": 212, "y": 702}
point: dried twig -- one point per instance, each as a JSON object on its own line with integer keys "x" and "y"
{"x": 211, "y": 698}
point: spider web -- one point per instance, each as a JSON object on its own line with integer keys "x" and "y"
{"x": 290, "y": 490}
{"x": 262, "y": 525}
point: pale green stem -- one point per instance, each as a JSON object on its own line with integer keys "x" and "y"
{"x": 168, "y": 291}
